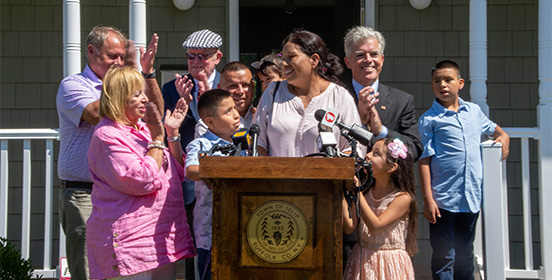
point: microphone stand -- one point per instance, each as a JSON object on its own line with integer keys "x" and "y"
{"x": 357, "y": 192}
{"x": 359, "y": 231}
{"x": 355, "y": 196}
{"x": 237, "y": 150}
{"x": 353, "y": 144}
{"x": 350, "y": 196}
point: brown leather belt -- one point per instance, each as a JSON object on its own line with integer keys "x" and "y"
{"x": 75, "y": 184}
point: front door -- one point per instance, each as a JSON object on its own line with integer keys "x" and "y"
{"x": 264, "y": 24}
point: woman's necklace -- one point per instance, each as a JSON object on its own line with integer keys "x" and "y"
{"x": 295, "y": 91}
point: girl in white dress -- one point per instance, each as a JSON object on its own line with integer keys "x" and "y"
{"x": 388, "y": 210}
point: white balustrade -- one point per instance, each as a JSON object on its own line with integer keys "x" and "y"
{"x": 496, "y": 261}
{"x": 495, "y": 211}
{"x": 27, "y": 135}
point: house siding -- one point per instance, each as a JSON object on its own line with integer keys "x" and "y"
{"x": 416, "y": 40}
{"x": 31, "y": 69}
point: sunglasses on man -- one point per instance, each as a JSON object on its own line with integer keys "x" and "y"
{"x": 201, "y": 56}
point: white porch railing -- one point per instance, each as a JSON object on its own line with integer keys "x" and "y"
{"x": 495, "y": 211}
{"x": 496, "y": 264}
{"x": 27, "y": 135}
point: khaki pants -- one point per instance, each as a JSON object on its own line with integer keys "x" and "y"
{"x": 75, "y": 207}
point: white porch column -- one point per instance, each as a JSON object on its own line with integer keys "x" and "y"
{"x": 71, "y": 61}
{"x": 137, "y": 26}
{"x": 478, "y": 53}
{"x": 544, "y": 119}
{"x": 233, "y": 30}
{"x": 71, "y": 37}
{"x": 369, "y": 13}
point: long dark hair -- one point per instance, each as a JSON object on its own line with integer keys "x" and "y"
{"x": 329, "y": 67}
{"x": 402, "y": 179}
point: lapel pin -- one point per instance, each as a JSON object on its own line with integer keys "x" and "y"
{"x": 383, "y": 107}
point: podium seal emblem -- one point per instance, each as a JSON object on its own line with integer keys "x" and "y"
{"x": 277, "y": 231}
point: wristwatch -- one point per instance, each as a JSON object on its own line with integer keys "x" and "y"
{"x": 149, "y": 75}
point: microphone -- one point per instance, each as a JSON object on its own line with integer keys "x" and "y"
{"x": 226, "y": 149}
{"x": 328, "y": 119}
{"x": 254, "y": 131}
{"x": 326, "y": 138}
{"x": 327, "y": 143}
{"x": 240, "y": 139}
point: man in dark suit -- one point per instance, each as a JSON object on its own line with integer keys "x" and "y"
{"x": 386, "y": 111}
{"x": 203, "y": 53}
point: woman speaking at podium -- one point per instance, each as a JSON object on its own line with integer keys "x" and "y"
{"x": 286, "y": 111}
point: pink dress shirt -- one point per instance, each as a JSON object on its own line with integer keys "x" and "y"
{"x": 138, "y": 220}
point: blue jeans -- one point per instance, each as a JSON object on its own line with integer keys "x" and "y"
{"x": 189, "y": 262}
{"x": 204, "y": 264}
{"x": 188, "y": 187}
{"x": 451, "y": 239}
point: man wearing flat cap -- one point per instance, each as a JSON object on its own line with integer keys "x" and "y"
{"x": 203, "y": 53}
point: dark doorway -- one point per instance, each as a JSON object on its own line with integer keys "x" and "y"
{"x": 264, "y": 24}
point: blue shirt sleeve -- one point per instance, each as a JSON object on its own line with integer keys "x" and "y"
{"x": 426, "y": 135}
{"x": 487, "y": 126}
{"x": 384, "y": 132}
{"x": 192, "y": 152}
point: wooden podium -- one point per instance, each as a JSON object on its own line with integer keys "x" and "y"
{"x": 277, "y": 218}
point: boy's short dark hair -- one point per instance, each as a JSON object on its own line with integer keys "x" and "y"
{"x": 444, "y": 64}
{"x": 210, "y": 100}
{"x": 233, "y": 67}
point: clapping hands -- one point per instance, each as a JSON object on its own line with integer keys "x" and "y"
{"x": 369, "y": 116}
{"x": 174, "y": 119}
{"x": 203, "y": 83}
{"x": 184, "y": 86}
{"x": 147, "y": 56}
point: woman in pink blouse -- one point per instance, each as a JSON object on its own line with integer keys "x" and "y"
{"x": 138, "y": 227}
{"x": 286, "y": 111}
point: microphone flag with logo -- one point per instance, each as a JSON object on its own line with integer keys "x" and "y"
{"x": 241, "y": 139}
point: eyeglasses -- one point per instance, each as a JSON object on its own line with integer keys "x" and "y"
{"x": 201, "y": 56}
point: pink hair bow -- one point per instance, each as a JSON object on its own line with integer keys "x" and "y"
{"x": 398, "y": 149}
